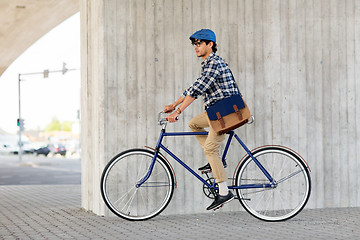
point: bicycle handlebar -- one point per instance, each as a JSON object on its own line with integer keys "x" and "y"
{"x": 162, "y": 120}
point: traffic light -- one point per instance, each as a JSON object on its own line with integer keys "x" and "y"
{"x": 20, "y": 123}
{"x": 64, "y": 69}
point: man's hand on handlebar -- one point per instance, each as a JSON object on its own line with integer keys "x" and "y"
{"x": 173, "y": 117}
{"x": 169, "y": 108}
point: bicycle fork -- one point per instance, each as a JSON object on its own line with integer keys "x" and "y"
{"x": 151, "y": 167}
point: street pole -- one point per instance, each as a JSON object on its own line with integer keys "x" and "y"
{"x": 45, "y": 73}
{"x": 21, "y": 122}
{"x": 20, "y": 143}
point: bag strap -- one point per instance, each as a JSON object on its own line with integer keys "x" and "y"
{"x": 235, "y": 81}
{"x": 238, "y": 112}
{"x": 220, "y": 119}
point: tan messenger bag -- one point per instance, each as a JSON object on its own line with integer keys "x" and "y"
{"x": 228, "y": 114}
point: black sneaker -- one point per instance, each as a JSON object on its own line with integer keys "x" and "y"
{"x": 208, "y": 167}
{"x": 220, "y": 200}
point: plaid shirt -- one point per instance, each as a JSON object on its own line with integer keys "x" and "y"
{"x": 215, "y": 83}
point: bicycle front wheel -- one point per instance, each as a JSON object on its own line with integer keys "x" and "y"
{"x": 123, "y": 173}
{"x": 292, "y": 186}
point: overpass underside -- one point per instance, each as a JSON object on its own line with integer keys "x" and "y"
{"x": 24, "y": 22}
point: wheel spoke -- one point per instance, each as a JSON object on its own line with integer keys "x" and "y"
{"x": 123, "y": 196}
{"x": 128, "y": 203}
{"x": 290, "y": 176}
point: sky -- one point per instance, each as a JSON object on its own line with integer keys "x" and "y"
{"x": 43, "y": 99}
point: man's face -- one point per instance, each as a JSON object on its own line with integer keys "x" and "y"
{"x": 202, "y": 49}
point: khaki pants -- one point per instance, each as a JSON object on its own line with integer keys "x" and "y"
{"x": 211, "y": 145}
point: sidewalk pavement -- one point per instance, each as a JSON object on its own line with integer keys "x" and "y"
{"x": 54, "y": 212}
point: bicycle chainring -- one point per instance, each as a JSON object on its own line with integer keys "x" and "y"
{"x": 208, "y": 193}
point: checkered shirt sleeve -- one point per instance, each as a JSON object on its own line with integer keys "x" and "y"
{"x": 215, "y": 83}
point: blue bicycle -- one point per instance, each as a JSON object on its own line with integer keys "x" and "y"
{"x": 271, "y": 182}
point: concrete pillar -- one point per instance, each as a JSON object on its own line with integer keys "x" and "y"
{"x": 93, "y": 112}
{"x": 295, "y": 63}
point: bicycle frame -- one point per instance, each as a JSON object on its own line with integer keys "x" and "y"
{"x": 231, "y": 134}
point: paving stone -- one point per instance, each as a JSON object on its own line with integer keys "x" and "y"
{"x": 46, "y": 212}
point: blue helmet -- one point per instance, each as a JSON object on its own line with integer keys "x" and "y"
{"x": 204, "y": 34}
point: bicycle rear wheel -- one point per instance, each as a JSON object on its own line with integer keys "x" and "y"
{"x": 292, "y": 184}
{"x": 119, "y": 179}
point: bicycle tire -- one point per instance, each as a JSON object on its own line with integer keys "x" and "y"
{"x": 119, "y": 179}
{"x": 292, "y": 184}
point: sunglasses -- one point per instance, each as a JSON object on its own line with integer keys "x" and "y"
{"x": 197, "y": 43}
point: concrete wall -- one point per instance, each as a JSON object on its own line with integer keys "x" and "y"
{"x": 296, "y": 62}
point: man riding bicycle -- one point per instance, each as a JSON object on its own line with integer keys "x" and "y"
{"x": 215, "y": 83}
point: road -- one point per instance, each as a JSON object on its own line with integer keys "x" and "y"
{"x": 34, "y": 170}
